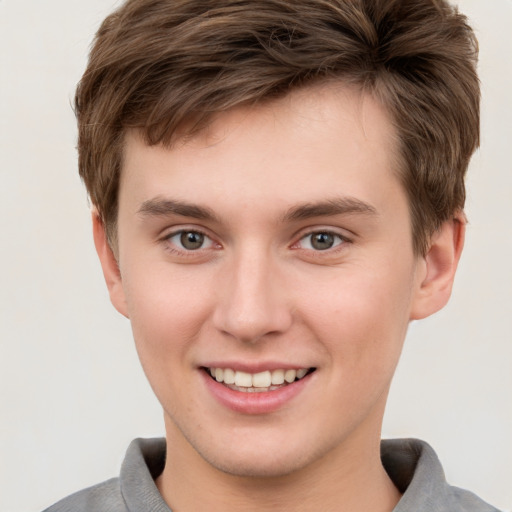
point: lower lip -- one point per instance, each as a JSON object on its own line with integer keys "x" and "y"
{"x": 263, "y": 402}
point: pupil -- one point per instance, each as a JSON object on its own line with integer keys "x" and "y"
{"x": 191, "y": 240}
{"x": 322, "y": 241}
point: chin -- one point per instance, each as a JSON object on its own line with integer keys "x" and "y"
{"x": 269, "y": 458}
{"x": 262, "y": 467}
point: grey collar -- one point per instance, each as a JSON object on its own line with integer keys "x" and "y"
{"x": 411, "y": 464}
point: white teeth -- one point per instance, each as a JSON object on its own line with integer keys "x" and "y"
{"x": 259, "y": 380}
{"x": 229, "y": 376}
{"x": 289, "y": 375}
{"x": 301, "y": 373}
{"x": 277, "y": 377}
{"x": 243, "y": 379}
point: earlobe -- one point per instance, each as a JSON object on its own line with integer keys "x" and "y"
{"x": 109, "y": 265}
{"x": 439, "y": 266}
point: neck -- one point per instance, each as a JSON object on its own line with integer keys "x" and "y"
{"x": 350, "y": 478}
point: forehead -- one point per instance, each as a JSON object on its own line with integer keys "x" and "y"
{"x": 312, "y": 143}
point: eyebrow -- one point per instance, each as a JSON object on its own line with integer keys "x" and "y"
{"x": 160, "y": 207}
{"x": 331, "y": 207}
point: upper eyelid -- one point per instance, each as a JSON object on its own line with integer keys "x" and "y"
{"x": 171, "y": 231}
{"x": 177, "y": 249}
{"x": 346, "y": 237}
{"x": 344, "y": 234}
{"x": 343, "y": 239}
{"x": 328, "y": 231}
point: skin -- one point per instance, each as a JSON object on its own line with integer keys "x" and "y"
{"x": 259, "y": 293}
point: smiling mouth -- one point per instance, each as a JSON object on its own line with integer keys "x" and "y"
{"x": 257, "y": 382}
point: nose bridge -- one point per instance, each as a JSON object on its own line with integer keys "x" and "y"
{"x": 252, "y": 303}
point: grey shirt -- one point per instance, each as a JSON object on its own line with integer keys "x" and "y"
{"x": 411, "y": 464}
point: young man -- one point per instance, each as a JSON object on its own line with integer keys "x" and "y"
{"x": 278, "y": 190}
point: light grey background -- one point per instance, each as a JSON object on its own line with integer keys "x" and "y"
{"x": 72, "y": 393}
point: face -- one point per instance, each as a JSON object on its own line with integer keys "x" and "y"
{"x": 273, "y": 251}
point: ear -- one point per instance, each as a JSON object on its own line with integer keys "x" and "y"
{"x": 437, "y": 268}
{"x": 109, "y": 265}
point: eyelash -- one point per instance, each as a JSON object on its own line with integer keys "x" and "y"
{"x": 173, "y": 247}
{"x": 339, "y": 244}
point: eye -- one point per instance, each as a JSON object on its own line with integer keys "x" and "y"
{"x": 190, "y": 240}
{"x": 320, "y": 241}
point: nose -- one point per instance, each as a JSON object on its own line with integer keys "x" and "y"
{"x": 253, "y": 302}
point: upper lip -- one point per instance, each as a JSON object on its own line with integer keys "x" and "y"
{"x": 254, "y": 367}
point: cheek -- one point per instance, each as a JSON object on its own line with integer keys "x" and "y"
{"x": 167, "y": 311}
{"x": 362, "y": 317}
{"x": 166, "y": 318}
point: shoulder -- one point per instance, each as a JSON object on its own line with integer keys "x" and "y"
{"x": 133, "y": 491}
{"x": 417, "y": 472}
{"x": 467, "y": 501}
{"x": 103, "y": 496}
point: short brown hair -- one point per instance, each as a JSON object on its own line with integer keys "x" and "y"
{"x": 165, "y": 66}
